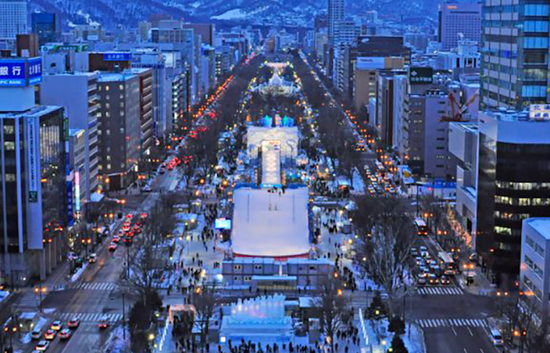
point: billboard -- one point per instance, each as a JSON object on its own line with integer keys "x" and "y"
{"x": 117, "y": 56}
{"x": 222, "y": 223}
{"x": 12, "y": 73}
{"x": 421, "y": 75}
{"x": 20, "y": 72}
{"x": 370, "y": 63}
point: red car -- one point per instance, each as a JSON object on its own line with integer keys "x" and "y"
{"x": 113, "y": 247}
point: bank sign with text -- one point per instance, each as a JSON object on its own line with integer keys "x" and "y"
{"x": 20, "y": 72}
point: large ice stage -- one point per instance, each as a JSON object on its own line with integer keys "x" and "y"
{"x": 267, "y": 224}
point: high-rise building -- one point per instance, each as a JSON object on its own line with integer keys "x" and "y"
{"x": 119, "y": 128}
{"x": 335, "y": 13}
{"x": 513, "y": 184}
{"x": 515, "y": 54}
{"x": 13, "y": 18}
{"x": 78, "y": 94}
{"x": 32, "y": 193}
{"x": 45, "y": 25}
{"x": 146, "y": 109}
{"x": 458, "y": 21}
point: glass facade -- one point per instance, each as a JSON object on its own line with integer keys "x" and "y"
{"x": 53, "y": 164}
{"x": 514, "y": 184}
{"x": 12, "y": 132}
{"x": 515, "y": 50}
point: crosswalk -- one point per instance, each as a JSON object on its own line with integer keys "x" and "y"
{"x": 109, "y": 286}
{"x": 440, "y": 291}
{"x": 434, "y": 323}
{"x": 90, "y": 317}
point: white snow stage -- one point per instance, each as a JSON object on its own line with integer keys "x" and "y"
{"x": 270, "y": 225}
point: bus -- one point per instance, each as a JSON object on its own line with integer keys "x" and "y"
{"x": 447, "y": 263}
{"x": 421, "y": 227}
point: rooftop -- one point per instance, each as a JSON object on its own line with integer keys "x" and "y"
{"x": 115, "y": 77}
{"x": 541, "y": 225}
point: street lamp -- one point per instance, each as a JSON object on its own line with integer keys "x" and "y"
{"x": 40, "y": 291}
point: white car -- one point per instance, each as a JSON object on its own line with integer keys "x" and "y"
{"x": 42, "y": 346}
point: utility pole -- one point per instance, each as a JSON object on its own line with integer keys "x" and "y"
{"x": 123, "y": 316}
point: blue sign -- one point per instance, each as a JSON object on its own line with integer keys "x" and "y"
{"x": 12, "y": 73}
{"x": 35, "y": 71}
{"x": 117, "y": 56}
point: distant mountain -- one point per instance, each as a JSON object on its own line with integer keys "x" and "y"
{"x": 268, "y": 12}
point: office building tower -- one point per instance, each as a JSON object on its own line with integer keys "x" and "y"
{"x": 119, "y": 128}
{"x": 513, "y": 184}
{"x": 335, "y": 13}
{"x": 78, "y": 94}
{"x": 33, "y": 195}
{"x": 458, "y": 21}
{"x": 13, "y": 18}
{"x": 515, "y": 54}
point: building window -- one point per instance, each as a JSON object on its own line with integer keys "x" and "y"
{"x": 247, "y": 278}
{"x": 237, "y": 267}
{"x": 10, "y": 178}
{"x": 257, "y": 267}
{"x": 9, "y": 145}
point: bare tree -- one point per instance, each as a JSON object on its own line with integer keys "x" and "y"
{"x": 331, "y": 303}
{"x": 383, "y": 253}
{"x": 205, "y": 301}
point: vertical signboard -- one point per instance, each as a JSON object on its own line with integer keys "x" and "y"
{"x": 35, "y": 71}
{"x": 32, "y": 163}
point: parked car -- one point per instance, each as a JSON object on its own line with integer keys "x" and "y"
{"x": 421, "y": 281}
{"x": 414, "y": 252}
{"x": 92, "y": 258}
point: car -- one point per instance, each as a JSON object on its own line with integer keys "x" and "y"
{"x": 36, "y": 334}
{"x": 128, "y": 241}
{"x": 473, "y": 257}
{"x": 433, "y": 279}
{"x": 423, "y": 251}
{"x": 116, "y": 239}
{"x": 92, "y": 258}
{"x": 421, "y": 281}
{"x": 103, "y": 323}
{"x": 113, "y": 247}
{"x": 419, "y": 261}
{"x": 50, "y": 335}
{"x": 414, "y": 252}
{"x": 65, "y": 334}
{"x": 146, "y": 188}
{"x": 73, "y": 323}
{"x": 496, "y": 337}
{"x": 42, "y": 346}
{"x": 444, "y": 280}
{"x": 56, "y": 325}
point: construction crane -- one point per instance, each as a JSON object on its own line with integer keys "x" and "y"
{"x": 457, "y": 109}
